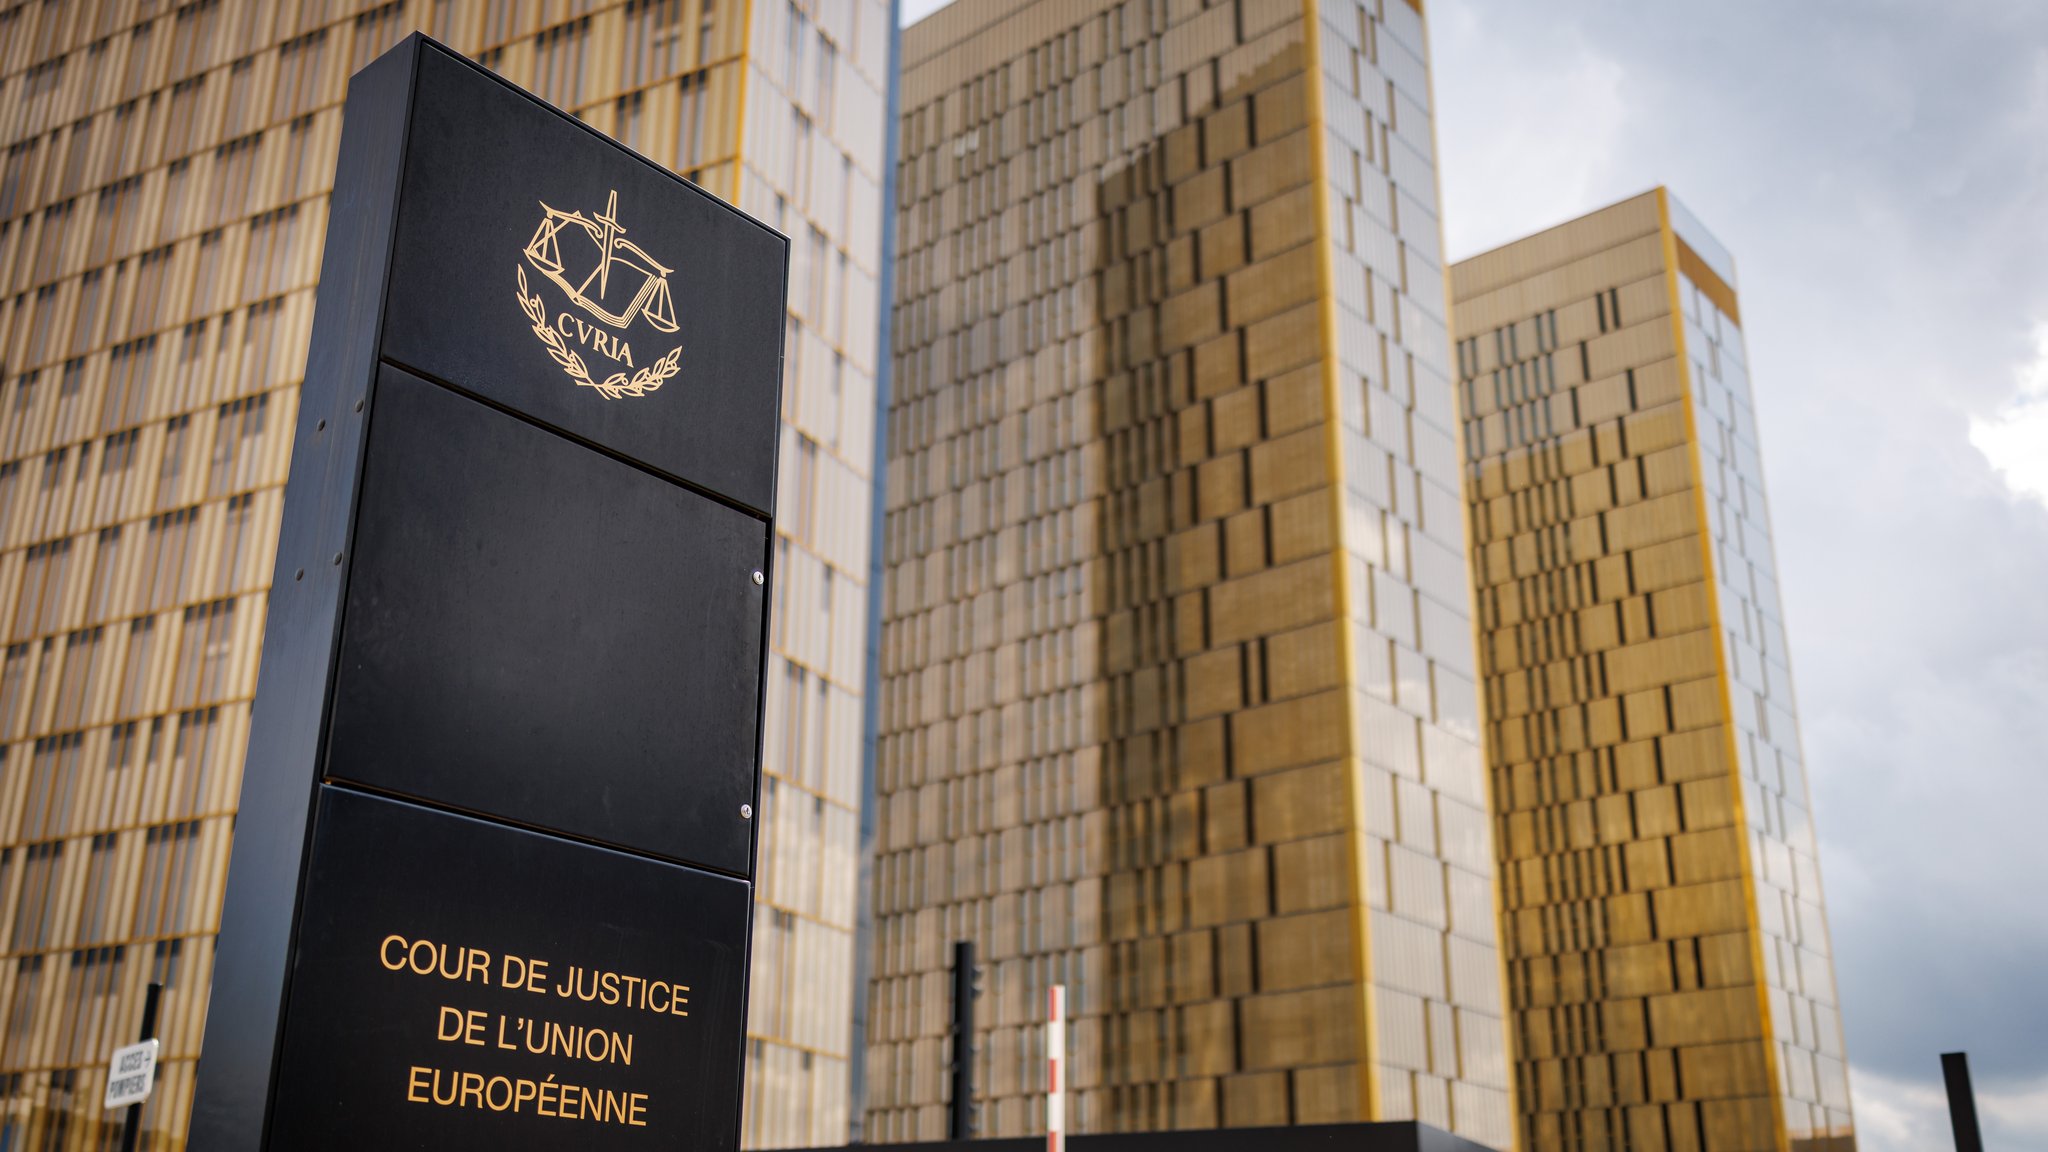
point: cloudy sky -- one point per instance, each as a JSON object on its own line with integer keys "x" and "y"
{"x": 1880, "y": 170}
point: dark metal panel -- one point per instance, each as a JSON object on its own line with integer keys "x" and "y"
{"x": 304, "y": 615}
{"x": 484, "y": 274}
{"x": 558, "y": 631}
{"x": 381, "y": 1055}
{"x": 546, "y": 635}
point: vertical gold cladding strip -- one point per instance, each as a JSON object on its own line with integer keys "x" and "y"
{"x": 739, "y": 136}
{"x": 1780, "y": 1139}
{"x": 1467, "y": 474}
{"x": 1333, "y": 422}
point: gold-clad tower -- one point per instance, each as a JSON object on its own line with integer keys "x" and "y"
{"x": 164, "y": 179}
{"x": 1177, "y": 689}
{"x": 1669, "y": 970}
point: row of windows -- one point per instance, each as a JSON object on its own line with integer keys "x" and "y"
{"x": 86, "y": 991}
{"x": 131, "y": 384}
{"x": 295, "y": 80}
{"x": 159, "y": 881}
{"x": 65, "y": 492}
{"x": 104, "y": 673}
{"x": 172, "y": 559}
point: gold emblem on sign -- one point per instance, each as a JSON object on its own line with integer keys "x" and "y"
{"x": 613, "y": 283}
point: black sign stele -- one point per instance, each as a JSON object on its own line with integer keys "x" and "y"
{"x": 493, "y": 869}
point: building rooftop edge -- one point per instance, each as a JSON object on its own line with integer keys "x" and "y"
{"x": 1548, "y": 228}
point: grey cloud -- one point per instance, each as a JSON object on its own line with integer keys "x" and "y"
{"x": 1881, "y": 172}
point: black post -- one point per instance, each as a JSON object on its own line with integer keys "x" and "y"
{"x": 132, "y": 1132}
{"x": 966, "y": 980}
{"x": 1962, "y": 1103}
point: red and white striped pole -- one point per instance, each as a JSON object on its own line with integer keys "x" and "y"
{"x": 1056, "y": 1069}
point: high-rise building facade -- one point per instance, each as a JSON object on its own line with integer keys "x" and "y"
{"x": 164, "y": 171}
{"x": 1178, "y": 703}
{"x": 1669, "y": 968}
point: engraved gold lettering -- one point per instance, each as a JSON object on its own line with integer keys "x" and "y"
{"x": 447, "y": 1088}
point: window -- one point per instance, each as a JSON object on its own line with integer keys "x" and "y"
{"x": 192, "y": 37}
{"x": 113, "y": 226}
{"x": 259, "y": 346}
{"x": 707, "y": 20}
{"x": 168, "y": 862}
{"x": 233, "y": 164}
{"x": 501, "y": 21}
{"x": 136, "y": 670}
{"x": 236, "y": 544}
{"x": 69, "y": 424}
{"x": 163, "y": 558}
{"x": 130, "y": 137}
{"x": 42, "y": 589}
{"x": 127, "y": 384}
{"x": 136, "y": 79}
{"x": 627, "y": 122}
{"x": 798, "y": 168}
{"x": 75, "y": 156}
{"x": 797, "y": 36}
{"x": 181, "y": 125}
{"x": 299, "y": 64}
{"x": 177, "y": 186}
{"x": 39, "y": 89}
{"x": 818, "y": 273}
{"x": 203, "y": 655}
{"x": 13, "y": 177}
{"x": 81, "y": 668}
{"x": 13, "y": 688}
{"x": 117, "y": 468}
{"x": 192, "y": 769}
{"x": 86, "y": 318}
{"x": 125, "y": 758}
{"x": 266, "y": 270}
{"x": 376, "y": 31}
{"x": 10, "y": 484}
{"x": 653, "y": 43}
{"x": 95, "y": 917}
{"x": 106, "y": 568}
{"x": 441, "y": 25}
{"x": 19, "y": 431}
{"x": 88, "y": 1023}
{"x": 34, "y": 915}
{"x": 177, "y": 431}
{"x": 805, "y": 488}
{"x": 237, "y": 445}
{"x": 21, "y": 1012}
{"x": 167, "y": 963}
{"x": 690, "y": 124}
{"x": 558, "y": 63}
{"x": 49, "y": 248}
{"x": 52, "y": 784}
{"x": 297, "y": 151}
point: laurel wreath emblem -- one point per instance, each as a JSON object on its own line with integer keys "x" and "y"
{"x": 613, "y": 387}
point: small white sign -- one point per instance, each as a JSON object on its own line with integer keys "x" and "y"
{"x": 131, "y": 1074}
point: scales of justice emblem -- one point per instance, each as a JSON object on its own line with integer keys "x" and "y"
{"x": 611, "y": 281}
